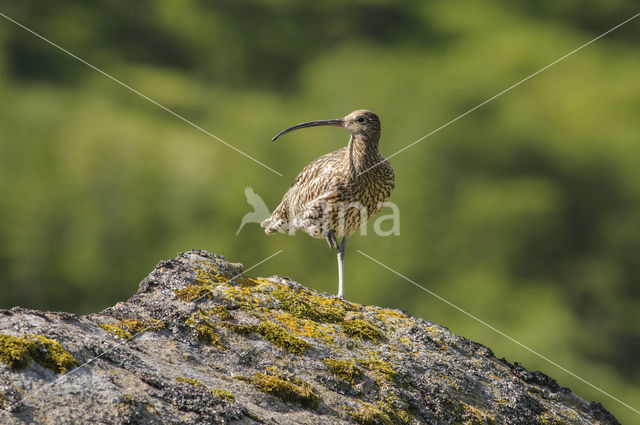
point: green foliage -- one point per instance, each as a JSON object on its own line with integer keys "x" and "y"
{"x": 523, "y": 212}
{"x": 222, "y": 41}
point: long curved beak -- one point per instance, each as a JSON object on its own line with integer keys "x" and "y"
{"x": 334, "y": 123}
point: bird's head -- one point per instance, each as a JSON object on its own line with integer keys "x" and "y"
{"x": 361, "y": 122}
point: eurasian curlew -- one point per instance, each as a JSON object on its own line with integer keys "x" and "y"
{"x": 338, "y": 192}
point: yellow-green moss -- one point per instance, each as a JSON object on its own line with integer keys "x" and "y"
{"x": 219, "y": 311}
{"x": 50, "y": 354}
{"x": 397, "y": 409}
{"x": 222, "y": 394}
{"x": 368, "y": 414}
{"x": 473, "y": 416}
{"x": 191, "y": 381}
{"x": 116, "y": 330}
{"x": 343, "y": 369}
{"x": 291, "y": 390}
{"x": 241, "y": 329}
{"x": 361, "y": 329}
{"x": 273, "y": 333}
{"x": 133, "y": 325}
{"x": 17, "y": 352}
{"x": 255, "y": 417}
{"x": 194, "y": 292}
{"x": 209, "y": 275}
{"x": 380, "y": 367}
{"x": 205, "y": 330}
{"x": 127, "y": 328}
{"x": 208, "y": 335}
{"x": 385, "y": 314}
{"x": 245, "y": 281}
{"x": 148, "y": 324}
{"x": 312, "y": 307}
{"x": 277, "y": 335}
{"x": 550, "y": 418}
{"x": 305, "y": 327}
{"x": 243, "y": 297}
{"x": 438, "y": 336}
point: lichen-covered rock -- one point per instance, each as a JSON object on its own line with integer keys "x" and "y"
{"x": 201, "y": 343}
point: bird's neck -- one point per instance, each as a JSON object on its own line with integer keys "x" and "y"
{"x": 362, "y": 153}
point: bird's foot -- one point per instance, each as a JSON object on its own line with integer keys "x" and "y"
{"x": 331, "y": 239}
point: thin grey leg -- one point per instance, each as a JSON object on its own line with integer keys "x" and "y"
{"x": 341, "y": 252}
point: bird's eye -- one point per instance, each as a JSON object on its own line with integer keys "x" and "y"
{"x": 360, "y": 119}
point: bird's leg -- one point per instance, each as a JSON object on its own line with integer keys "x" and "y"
{"x": 341, "y": 251}
{"x": 330, "y": 236}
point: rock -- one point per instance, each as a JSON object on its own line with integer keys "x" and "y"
{"x": 201, "y": 343}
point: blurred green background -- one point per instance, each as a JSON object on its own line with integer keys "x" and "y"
{"x": 524, "y": 213}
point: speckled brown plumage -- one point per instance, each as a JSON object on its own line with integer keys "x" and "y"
{"x": 338, "y": 192}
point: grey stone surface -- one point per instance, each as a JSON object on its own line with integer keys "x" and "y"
{"x": 194, "y": 347}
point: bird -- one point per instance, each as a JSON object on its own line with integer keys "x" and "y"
{"x": 260, "y": 210}
{"x": 338, "y": 192}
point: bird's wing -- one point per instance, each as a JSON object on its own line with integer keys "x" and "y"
{"x": 316, "y": 181}
{"x": 319, "y": 167}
